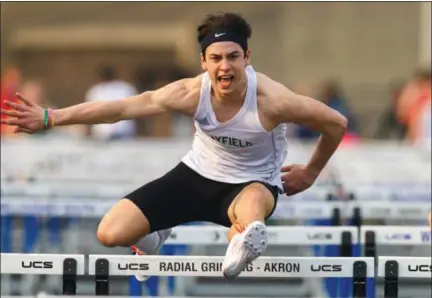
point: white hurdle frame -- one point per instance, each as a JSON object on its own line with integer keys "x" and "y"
{"x": 42, "y": 264}
{"x": 392, "y": 268}
{"x": 277, "y": 235}
{"x": 104, "y": 266}
{"x": 371, "y": 236}
{"x": 397, "y": 235}
{"x": 69, "y": 266}
{"x": 211, "y": 266}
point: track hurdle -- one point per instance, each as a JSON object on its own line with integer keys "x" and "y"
{"x": 393, "y": 268}
{"x": 105, "y": 266}
{"x": 372, "y": 236}
{"x": 342, "y": 239}
{"x": 69, "y": 266}
{"x": 277, "y": 235}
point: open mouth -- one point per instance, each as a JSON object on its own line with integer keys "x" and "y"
{"x": 225, "y": 80}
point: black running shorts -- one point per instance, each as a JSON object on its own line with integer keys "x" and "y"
{"x": 183, "y": 196}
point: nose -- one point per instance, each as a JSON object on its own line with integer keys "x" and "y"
{"x": 225, "y": 65}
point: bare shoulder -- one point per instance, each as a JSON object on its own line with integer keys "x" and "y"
{"x": 272, "y": 95}
{"x": 181, "y": 96}
{"x": 278, "y": 104}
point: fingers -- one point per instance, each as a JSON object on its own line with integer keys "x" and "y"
{"x": 20, "y": 129}
{"x": 290, "y": 191}
{"x": 13, "y": 121}
{"x": 24, "y": 100}
{"x": 11, "y": 113}
{"x": 9, "y": 121}
{"x": 287, "y": 168}
{"x": 16, "y": 106}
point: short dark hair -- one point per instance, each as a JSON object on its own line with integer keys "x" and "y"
{"x": 224, "y": 20}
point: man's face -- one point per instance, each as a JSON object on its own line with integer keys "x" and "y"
{"x": 225, "y": 62}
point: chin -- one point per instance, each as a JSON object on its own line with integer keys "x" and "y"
{"x": 226, "y": 92}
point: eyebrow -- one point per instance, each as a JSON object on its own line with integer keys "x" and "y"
{"x": 229, "y": 54}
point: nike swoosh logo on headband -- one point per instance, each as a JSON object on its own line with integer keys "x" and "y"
{"x": 219, "y": 34}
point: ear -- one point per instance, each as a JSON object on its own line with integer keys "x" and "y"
{"x": 247, "y": 57}
{"x": 203, "y": 62}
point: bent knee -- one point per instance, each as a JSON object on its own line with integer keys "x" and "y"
{"x": 108, "y": 237}
{"x": 257, "y": 193}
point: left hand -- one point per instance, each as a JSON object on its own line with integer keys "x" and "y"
{"x": 297, "y": 178}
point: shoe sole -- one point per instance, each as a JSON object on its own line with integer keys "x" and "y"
{"x": 255, "y": 241}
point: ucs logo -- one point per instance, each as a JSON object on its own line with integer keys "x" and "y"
{"x": 133, "y": 266}
{"x": 402, "y": 236}
{"x": 326, "y": 268}
{"x": 37, "y": 264}
{"x": 320, "y": 236}
{"x": 420, "y": 268}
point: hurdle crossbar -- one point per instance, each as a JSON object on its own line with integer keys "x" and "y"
{"x": 43, "y": 264}
{"x": 393, "y": 268}
{"x": 405, "y": 267}
{"x": 69, "y": 266}
{"x": 120, "y": 265}
{"x": 214, "y": 235}
{"x": 371, "y": 236}
{"x": 397, "y": 235}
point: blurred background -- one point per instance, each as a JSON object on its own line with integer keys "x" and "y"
{"x": 370, "y": 61}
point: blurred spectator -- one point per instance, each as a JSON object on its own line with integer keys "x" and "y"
{"x": 390, "y": 127}
{"x": 414, "y": 107}
{"x": 331, "y": 94}
{"x": 110, "y": 88}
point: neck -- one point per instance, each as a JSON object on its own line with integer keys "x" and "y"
{"x": 234, "y": 98}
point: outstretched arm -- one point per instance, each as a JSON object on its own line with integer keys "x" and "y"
{"x": 145, "y": 104}
{"x": 30, "y": 117}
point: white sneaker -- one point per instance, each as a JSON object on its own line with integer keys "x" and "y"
{"x": 244, "y": 248}
{"x": 163, "y": 236}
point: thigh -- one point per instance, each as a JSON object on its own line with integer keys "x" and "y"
{"x": 242, "y": 192}
{"x": 117, "y": 229}
{"x": 170, "y": 200}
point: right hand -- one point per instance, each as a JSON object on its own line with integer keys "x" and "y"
{"x": 28, "y": 117}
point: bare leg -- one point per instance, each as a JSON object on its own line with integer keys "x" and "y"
{"x": 248, "y": 234}
{"x": 123, "y": 225}
{"x": 252, "y": 204}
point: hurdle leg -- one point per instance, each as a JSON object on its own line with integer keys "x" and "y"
{"x": 102, "y": 277}
{"x": 359, "y": 279}
{"x": 391, "y": 279}
{"x": 69, "y": 276}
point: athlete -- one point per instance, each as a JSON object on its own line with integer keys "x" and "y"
{"x": 234, "y": 172}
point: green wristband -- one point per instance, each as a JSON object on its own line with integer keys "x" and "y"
{"x": 46, "y": 118}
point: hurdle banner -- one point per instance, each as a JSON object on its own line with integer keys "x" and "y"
{"x": 393, "y": 268}
{"x": 69, "y": 266}
{"x": 371, "y": 236}
{"x": 104, "y": 266}
{"x": 65, "y": 206}
{"x": 214, "y": 235}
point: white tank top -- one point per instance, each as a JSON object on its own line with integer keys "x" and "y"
{"x": 239, "y": 150}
